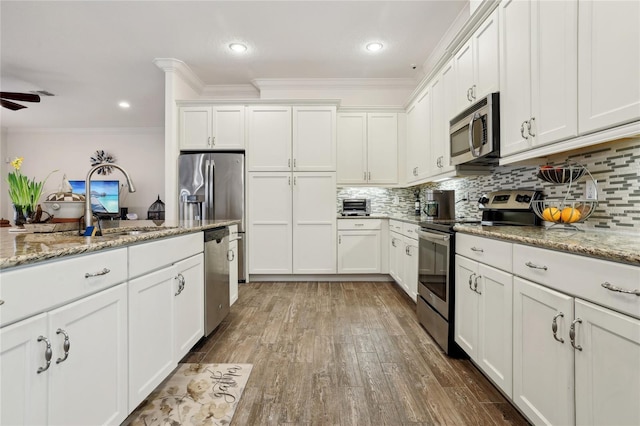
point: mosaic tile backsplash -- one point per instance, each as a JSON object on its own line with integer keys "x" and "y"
{"x": 615, "y": 166}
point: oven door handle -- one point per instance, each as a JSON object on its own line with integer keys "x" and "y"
{"x": 475, "y": 152}
{"x": 438, "y": 238}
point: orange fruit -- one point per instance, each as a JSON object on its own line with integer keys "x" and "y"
{"x": 551, "y": 214}
{"x": 570, "y": 215}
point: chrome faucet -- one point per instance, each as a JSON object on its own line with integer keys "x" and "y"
{"x": 88, "y": 214}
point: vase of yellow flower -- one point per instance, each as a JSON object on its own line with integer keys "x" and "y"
{"x": 24, "y": 193}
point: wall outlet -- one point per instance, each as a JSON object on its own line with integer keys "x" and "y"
{"x": 396, "y": 200}
{"x": 591, "y": 189}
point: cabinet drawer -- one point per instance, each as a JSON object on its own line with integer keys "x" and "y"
{"x": 580, "y": 276}
{"x": 33, "y": 289}
{"x": 490, "y": 252}
{"x": 157, "y": 254}
{"x": 410, "y": 230}
{"x": 395, "y": 226}
{"x": 349, "y": 224}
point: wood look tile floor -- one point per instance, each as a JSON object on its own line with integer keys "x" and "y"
{"x": 345, "y": 353}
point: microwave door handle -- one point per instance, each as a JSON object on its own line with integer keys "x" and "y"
{"x": 433, "y": 237}
{"x": 473, "y": 151}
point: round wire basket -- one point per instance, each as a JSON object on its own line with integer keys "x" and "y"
{"x": 561, "y": 175}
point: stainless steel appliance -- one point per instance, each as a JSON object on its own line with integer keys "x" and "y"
{"x": 356, "y": 207}
{"x": 440, "y": 204}
{"x": 216, "y": 277}
{"x": 211, "y": 187}
{"x": 474, "y": 134}
{"x": 436, "y": 269}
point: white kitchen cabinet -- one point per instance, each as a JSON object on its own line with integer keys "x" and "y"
{"x": 419, "y": 137}
{"x": 538, "y": 73}
{"x": 396, "y": 264}
{"x": 477, "y": 65}
{"x": 367, "y": 148}
{"x": 442, "y": 111}
{"x": 483, "y": 318}
{"x": 403, "y": 256}
{"x": 359, "y": 246}
{"x": 542, "y": 365}
{"x": 282, "y": 138}
{"x": 211, "y": 127}
{"x": 292, "y": 222}
{"x": 188, "y": 304}
{"x": 608, "y": 64}
{"x": 610, "y": 357}
{"x": 232, "y": 256}
{"x": 410, "y": 267}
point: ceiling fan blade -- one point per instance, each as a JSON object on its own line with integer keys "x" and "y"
{"x": 11, "y": 105}
{"x": 24, "y": 97}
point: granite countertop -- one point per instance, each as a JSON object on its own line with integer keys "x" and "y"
{"x": 26, "y": 248}
{"x": 409, "y": 218}
{"x": 612, "y": 246}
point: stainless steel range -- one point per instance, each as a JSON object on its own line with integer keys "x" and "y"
{"x": 436, "y": 270}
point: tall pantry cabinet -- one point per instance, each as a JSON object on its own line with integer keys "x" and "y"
{"x": 291, "y": 189}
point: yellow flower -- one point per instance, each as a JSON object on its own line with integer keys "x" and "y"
{"x": 17, "y": 162}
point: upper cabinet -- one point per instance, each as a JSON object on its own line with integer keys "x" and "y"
{"x": 608, "y": 63}
{"x": 477, "y": 64}
{"x": 419, "y": 137}
{"x": 211, "y": 127}
{"x": 282, "y": 138}
{"x": 538, "y": 73}
{"x": 443, "y": 109}
{"x": 368, "y": 148}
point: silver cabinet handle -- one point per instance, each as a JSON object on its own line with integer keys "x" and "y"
{"x": 289, "y": 162}
{"x": 529, "y": 126}
{"x": 213, "y": 141}
{"x": 339, "y": 239}
{"x": 477, "y": 250}
{"x": 365, "y": 176}
{"x": 572, "y": 333}
{"x": 409, "y": 251}
{"x": 612, "y": 287}
{"x": 473, "y": 92}
{"x": 471, "y": 281}
{"x": 393, "y": 242}
{"x": 104, "y": 271}
{"x": 1, "y": 302}
{"x": 534, "y": 266}
{"x": 554, "y": 327}
{"x": 181, "y": 283}
{"x": 48, "y": 353}
{"x": 209, "y": 141}
{"x": 295, "y": 180}
{"x": 289, "y": 180}
{"x": 522, "y": 130}
{"x": 66, "y": 345}
{"x": 358, "y": 224}
{"x": 233, "y": 255}
{"x": 469, "y": 94}
{"x": 475, "y": 284}
{"x": 369, "y": 175}
{"x": 294, "y": 163}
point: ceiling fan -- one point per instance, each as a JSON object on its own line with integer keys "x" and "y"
{"x": 15, "y": 96}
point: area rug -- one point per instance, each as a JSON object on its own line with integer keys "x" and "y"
{"x": 194, "y": 394}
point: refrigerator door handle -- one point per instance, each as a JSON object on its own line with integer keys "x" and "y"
{"x": 207, "y": 199}
{"x": 212, "y": 194}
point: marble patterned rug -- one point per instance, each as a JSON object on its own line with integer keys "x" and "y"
{"x": 194, "y": 394}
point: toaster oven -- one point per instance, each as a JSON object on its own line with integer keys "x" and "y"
{"x": 356, "y": 207}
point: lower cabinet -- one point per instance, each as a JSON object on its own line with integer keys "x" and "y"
{"x": 189, "y": 304}
{"x": 67, "y": 366}
{"x": 403, "y": 262}
{"x": 483, "y": 318}
{"x": 359, "y": 246}
{"x": 232, "y": 257}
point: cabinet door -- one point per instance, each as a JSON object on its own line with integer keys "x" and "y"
{"x": 466, "y": 312}
{"x": 542, "y": 366}
{"x": 382, "y": 151}
{"x": 151, "y": 323}
{"x": 448, "y": 112}
{"x": 195, "y": 127}
{"x": 609, "y": 60}
{"x": 352, "y": 148}
{"x": 228, "y": 127}
{"x": 24, "y": 392}
{"x": 411, "y": 267}
{"x": 437, "y": 126}
{"x": 395, "y": 250}
{"x": 486, "y": 64}
{"x": 421, "y": 147}
{"x": 314, "y": 223}
{"x": 269, "y": 139}
{"x": 270, "y": 224}
{"x": 359, "y": 252}
{"x": 314, "y": 139}
{"x": 411, "y": 164}
{"x": 515, "y": 75}
{"x": 495, "y": 326}
{"x": 554, "y": 71}
{"x": 233, "y": 271}
{"x": 89, "y": 386}
{"x": 188, "y": 304}
{"x": 607, "y": 367}
{"x": 464, "y": 76}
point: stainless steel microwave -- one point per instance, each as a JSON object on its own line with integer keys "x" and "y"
{"x": 474, "y": 134}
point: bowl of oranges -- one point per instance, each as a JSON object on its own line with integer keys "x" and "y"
{"x": 562, "y": 211}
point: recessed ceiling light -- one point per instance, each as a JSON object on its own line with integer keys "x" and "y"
{"x": 374, "y": 47}
{"x": 238, "y": 47}
{"x": 124, "y": 104}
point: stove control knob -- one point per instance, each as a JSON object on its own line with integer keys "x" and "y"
{"x": 519, "y": 198}
{"x": 483, "y": 200}
{"x": 526, "y": 198}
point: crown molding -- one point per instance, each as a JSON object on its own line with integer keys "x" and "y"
{"x": 250, "y": 102}
{"x": 237, "y": 91}
{"x": 368, "y": 108}
{"x": 87, "y": 130}
{"x": 183, "y": 70}
{"x": 332, "y": 83}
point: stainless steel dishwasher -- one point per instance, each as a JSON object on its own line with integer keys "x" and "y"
{"x": 216, "y": 277}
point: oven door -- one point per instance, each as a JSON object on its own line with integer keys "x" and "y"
{"x": 433, "y": 269}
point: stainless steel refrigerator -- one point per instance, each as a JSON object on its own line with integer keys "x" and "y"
{"x": 211, "y": 187}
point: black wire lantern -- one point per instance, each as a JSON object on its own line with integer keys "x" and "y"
{"x": 156, "y": 212}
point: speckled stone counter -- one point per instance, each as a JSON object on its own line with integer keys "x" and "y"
{"x": 617, "y": 247}
{"x": 409, "y": 218}
{"x": 24, "y": 248}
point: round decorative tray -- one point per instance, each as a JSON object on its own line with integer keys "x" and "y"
{"x": 561, "y": 211}
{"x": 561, "y": 175}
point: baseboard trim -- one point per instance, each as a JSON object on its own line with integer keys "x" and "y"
{"x": 322, "y": 278}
